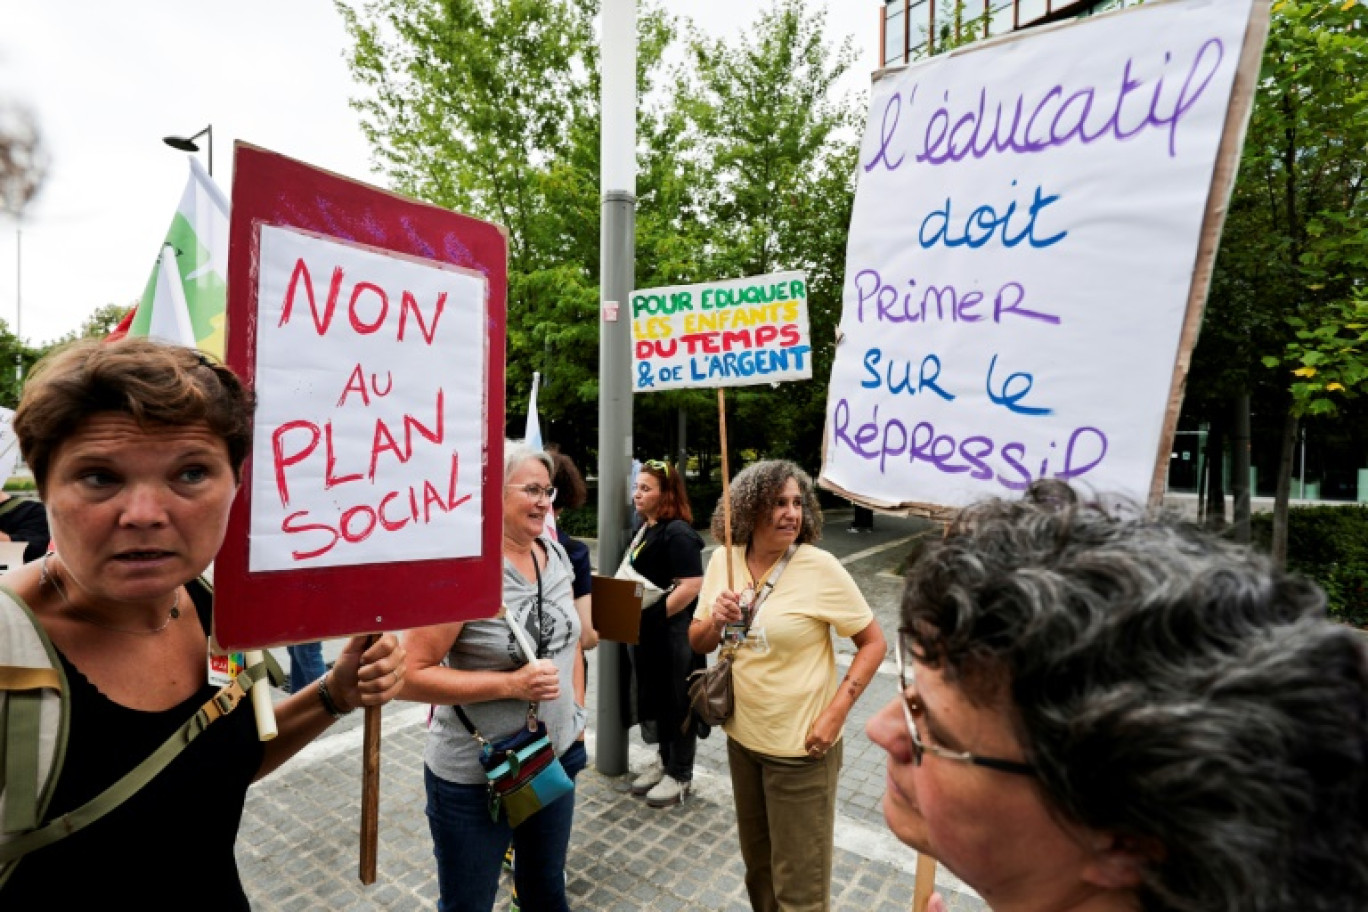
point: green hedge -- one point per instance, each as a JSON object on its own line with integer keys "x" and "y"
{"x": 1329, "y": 545}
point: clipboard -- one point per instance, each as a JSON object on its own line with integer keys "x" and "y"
{"x": 617, "y": 609}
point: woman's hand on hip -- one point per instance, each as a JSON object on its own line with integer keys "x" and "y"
{"x": 536, "y": 682}
{"x": 369, "y": 676}
{"x": 826, "y": 728}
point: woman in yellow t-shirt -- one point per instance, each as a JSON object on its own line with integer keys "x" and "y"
{"x": 784, "y": 736}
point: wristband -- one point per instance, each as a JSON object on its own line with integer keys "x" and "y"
{"x": 327, "y": 700}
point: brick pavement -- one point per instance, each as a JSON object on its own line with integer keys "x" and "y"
{"x": 298, "y": 845}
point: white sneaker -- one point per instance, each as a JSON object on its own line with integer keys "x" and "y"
{"x": 647, "y": 777}
{"x": 668, "y": 792}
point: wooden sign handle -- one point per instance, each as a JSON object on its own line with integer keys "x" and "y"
{"x": 262, "y": 706}
{"x": 370, "y": 790}
{"x": 925, "y": 882}
{"x": 726, "y": 480}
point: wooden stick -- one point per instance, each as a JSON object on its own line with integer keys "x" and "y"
{"x": 370, "y": 790}
{"x": 925, "y": 883}
{"x": 1218, "y": 202}
{"x": 726, "y": 480}
{"x": 261, "y": 701}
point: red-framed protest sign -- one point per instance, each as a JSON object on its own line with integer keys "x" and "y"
{"x": 371, "y": 328}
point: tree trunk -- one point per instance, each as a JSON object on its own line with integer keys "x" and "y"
{"x": 1278, "y": 549}
{"x": 1202, "y": 473}
{"x": 682, "y": 452}
{"x": 1215, "y": 502}
{"x": 1239, "y": 469}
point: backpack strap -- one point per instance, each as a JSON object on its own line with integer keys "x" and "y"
{"x": 10, "y": 503}
{"x": 218, "y": 706}
{"x": 33, "y": 717}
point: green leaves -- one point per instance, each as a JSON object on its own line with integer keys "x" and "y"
{"x": 1294, "y": 255}
{"x": 745, "y": 160}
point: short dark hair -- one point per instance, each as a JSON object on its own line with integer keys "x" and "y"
{"x": 1168, "y": 687}
{"x": 754, "y": 491}
{"x": 156, "y": 383}
{"x": 674, "y": 497}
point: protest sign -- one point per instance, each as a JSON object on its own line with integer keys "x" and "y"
{"x": 371, "y": 328}
{"x": 734, "y": 333}
{"x": 1029, "y": 250}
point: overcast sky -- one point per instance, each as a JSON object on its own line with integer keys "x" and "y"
{"x": 109, "y": 80}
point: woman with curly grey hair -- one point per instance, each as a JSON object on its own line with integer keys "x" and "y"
{"x": 784, "y": 735}
{"x": 1120, "y": 713}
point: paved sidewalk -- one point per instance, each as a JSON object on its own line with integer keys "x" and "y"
{"x": 298, "y": 844}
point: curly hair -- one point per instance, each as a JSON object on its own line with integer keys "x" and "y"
{"x": 1168, "y": 687}
{"x": 155, "y": 383}
{"x": 754, "y": 492}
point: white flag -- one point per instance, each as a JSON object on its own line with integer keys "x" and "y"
{"x": 198, "y": 237}
{"x": 532, "y": 436}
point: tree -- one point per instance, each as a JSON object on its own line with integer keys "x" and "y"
{"x": 1294, "y": 250}
{"x": 777, "y": 150}
{"x": 491, "y": 107}
{"x": 745, "y": 165}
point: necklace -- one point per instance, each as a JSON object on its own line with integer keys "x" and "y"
{"x": 45, "y": 577}
{"x": 748, "y": 595}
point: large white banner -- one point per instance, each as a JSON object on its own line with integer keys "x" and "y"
{"x": 1021, "y": 254}
{"x": 370, "y": 422}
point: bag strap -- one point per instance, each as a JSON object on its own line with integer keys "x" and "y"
{"x": 216, "y": 707}
{"x": 541, "y": 647}
{"x": 766, "y": 588}
{"x": 10, "y": 503}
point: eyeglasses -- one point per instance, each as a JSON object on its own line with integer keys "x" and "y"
{"x": 912, "y": 707}
{"x": 536, "y": 492}
{"x": 658, "y": 465}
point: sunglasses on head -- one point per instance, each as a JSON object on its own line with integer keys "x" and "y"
{"x": 658, "y": 465}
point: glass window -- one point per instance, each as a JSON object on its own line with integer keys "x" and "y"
{"x": 894, "y": 33}
{"x": 1031, "y": 10}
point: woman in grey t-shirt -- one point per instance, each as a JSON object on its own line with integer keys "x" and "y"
{"x": 480, "y": 667}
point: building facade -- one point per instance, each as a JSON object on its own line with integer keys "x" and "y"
{"x": 912, "y": 29}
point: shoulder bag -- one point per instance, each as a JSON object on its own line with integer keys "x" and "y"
{"x": 651, "y": 593}
{"x": 710, "y": 689}
{"x": 522, "y": 771}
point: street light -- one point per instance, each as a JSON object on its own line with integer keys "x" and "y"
{"x": 188, "y": 144}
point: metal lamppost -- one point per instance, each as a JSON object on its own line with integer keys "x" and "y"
{"x": 188, "y": 144}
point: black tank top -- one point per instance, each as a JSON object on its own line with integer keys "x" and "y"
{"x": 170, "y": 846}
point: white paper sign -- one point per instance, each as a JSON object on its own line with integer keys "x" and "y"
{"x": 369, "y": 424}
{"x": 738, "y": 332}
{"x": 9, "y": 444}
{"x": 1020, "y": 257}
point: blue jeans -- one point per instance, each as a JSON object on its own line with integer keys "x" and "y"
{"x": 306, "y": 665}
{"x": 469, "y": 847}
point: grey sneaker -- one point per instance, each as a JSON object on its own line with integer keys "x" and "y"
{"x": 647, "y": 777}
{"x": 668, "y": 792}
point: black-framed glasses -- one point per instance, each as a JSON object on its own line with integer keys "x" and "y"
{"x": 659, "y": 465}
{"x": 912, "y": 707}
{"x": 536, "y": 492}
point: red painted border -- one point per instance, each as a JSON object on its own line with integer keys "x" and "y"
{"x": 271, "y": 609}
